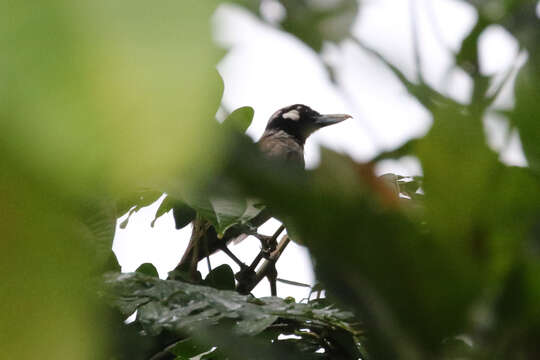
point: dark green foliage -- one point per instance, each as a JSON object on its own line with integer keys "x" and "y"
{"x": 183, "y": 214}
{"x": 221, "y": 278}
{"x": 147, "y": 269}
{"x": 178, "y": 307}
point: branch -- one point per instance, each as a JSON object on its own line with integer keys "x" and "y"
{"x": 510, "y": 72}
{"x": 269, "y": 243}
{"x": 166, "y": 353}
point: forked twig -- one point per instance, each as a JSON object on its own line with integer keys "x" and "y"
{"x": 266, "y": 267}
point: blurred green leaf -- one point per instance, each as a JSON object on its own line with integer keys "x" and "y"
{"x": 97, "y": 98}
{"x": 366, "y": 252}
{"x": 99, "y": 219}
{"x": 110, "y": 95}
{"x": 406, "y": 149}
{"x": 240, "y": 119}
{"x": 526, "y": 114}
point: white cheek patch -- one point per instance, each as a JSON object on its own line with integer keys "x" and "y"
{"x": 292, "y": 115}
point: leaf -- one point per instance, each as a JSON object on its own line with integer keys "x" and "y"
{"x": 99, "y": 219}
{"x": 525, "y": 114}
{"x": 165, "y": 206}
{"x": 403, "y": 150}
{"x": 227, "y": 213}
{"x": 134, "y": 202}
{"x": 183, "y": 215}
{"x": 147, "y": 269}
{"x": 181, "y": 307}
{"x": 240, "y": 119}
{"x": 224, "y": 212}
{"x": 221, "y": 278}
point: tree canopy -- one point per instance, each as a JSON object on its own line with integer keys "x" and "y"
{"x": 106, "y": 106}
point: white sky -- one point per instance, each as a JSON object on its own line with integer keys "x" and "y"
{"x": 267, "y": 69}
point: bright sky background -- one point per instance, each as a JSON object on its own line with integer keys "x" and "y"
{"x": 267, "y": 69}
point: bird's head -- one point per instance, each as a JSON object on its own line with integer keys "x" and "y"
{"x": 300, "y": 121}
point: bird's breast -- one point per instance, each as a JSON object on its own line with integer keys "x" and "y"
{"x": 283, "y": 146}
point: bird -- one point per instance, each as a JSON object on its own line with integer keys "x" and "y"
{"x": 283, "y": 139}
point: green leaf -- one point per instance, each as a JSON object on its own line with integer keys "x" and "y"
{"x": 183, "y": 215}
{"x": 99, "y": 219}
{"x": 240, "y": 119}
{"x": 224, "y": 212}
{"x": 165, "y": 206}
{"x": 403, "y": 150}
{"x": 525, "y": 114}
{"x": 134, "y": 202}
{"x": 148, "y": 269}
{"x": 221, "y": 278}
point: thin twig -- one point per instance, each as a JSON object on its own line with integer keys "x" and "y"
{"x": 426, "y": 95}
{"x": 267, "y": 265}
{"x": 166, "y": 353}
{"x": 205, "y": 241}
{"x": 272, "y": 276}
{"x": 194, "y": 261}
{"x": 510, "y": 72}
{"x": 413, "y": 10}
{"x": 230, "y": 254}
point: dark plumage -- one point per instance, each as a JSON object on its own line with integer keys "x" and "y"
{"x": 284, "y": 138}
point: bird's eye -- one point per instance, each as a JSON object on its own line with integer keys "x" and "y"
{"x": 292, "y": 115}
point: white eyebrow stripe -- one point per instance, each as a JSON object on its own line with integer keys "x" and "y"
{"x": 292, "y": 115}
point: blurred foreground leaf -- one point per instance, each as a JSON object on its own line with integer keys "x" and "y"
{"x": 97, "y": 99}
{"x": 110, "y": 93}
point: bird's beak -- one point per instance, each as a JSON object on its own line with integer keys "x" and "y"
{"x": 329, "y": 119}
